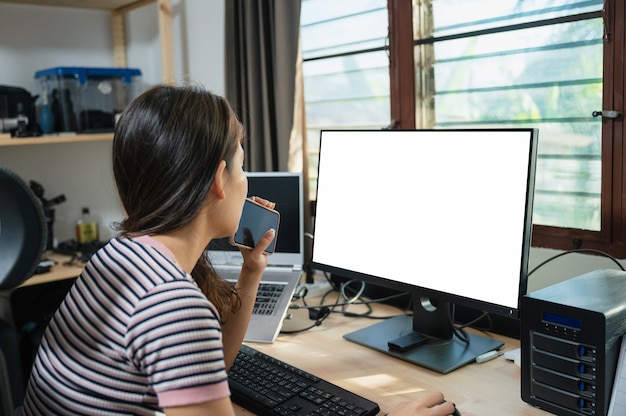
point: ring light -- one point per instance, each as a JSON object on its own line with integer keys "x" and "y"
{"x": 22, "y": 230}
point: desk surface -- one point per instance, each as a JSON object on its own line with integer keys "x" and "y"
{"x": 60, "y": 271}
{"x": 491, "y": 388}
{"x": 488, "y": 389}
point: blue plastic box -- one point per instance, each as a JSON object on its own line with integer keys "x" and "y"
{"x": 87, "y": 100}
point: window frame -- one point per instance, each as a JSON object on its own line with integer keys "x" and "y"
{"x": 611, "y": 239}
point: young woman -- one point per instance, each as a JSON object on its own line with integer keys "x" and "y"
{"x": 149, "y": 327}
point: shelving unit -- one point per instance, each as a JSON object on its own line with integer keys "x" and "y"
{"x": 7, "y": 140}
{"x": 118, "y": 9}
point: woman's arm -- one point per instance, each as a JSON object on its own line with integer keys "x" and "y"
{"x": 254, "y": 263}
{"x": 220, "y": 407}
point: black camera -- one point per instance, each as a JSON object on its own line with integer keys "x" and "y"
{"x": 18, "y": 112}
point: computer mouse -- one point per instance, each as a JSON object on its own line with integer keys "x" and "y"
{"x": 456, "y": 411}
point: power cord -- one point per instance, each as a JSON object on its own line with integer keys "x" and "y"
{"x": 358, "y": 302}
{"x": 577, "y": 250}
{"x": 352, "y": 296}
{"x": 319, "y": 313}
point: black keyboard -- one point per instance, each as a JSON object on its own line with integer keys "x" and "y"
{"x": 267, "y": 386}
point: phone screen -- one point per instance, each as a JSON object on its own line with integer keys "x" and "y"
{"x": 255, "y": 221}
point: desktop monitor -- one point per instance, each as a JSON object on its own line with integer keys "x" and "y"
{"x": 444, "y": 215}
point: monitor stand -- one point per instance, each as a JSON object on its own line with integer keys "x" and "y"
{"x": 442, "y": 352}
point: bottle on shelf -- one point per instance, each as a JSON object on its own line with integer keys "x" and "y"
{"x": 46, "y": 118}
{"x": 86, "y": 228}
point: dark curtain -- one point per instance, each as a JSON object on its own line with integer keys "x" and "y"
{"x": 261, "y": 53}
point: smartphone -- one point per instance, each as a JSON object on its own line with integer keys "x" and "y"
{"x": 255, "y": 221}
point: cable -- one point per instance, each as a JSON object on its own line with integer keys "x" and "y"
{"x": 344, "y": 287}
{"x": 319, "y": 313}
{"x": 357, "y": 300}
{"x": 459, "y": 332}
{"x": 477, "y": 319}
{"x": 578, "y": 250}
{"x": 462, "y": 335}
{"x": 361, "y": 302}
{"x": 581, "y": 250}
{"x": 316, "y": 313}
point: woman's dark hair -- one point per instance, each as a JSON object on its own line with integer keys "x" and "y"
{"x": 167, "y": 146}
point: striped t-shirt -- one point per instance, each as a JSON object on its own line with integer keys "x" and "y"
{"x": 133, "y": 335}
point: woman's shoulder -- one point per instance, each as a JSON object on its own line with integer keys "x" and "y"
{"x": 129, "y": 256}
{"x": 132, "y": 270}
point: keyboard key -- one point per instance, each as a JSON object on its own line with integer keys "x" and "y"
{"x": 267, "y": 298}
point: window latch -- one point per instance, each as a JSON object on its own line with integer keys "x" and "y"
{"x": 606, "y": 114}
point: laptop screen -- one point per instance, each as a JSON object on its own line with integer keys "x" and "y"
{"x": 285, "y": 189}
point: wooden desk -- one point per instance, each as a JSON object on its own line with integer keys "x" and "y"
{"x": 60, "y": 271}
{"x": 488, "y": 389}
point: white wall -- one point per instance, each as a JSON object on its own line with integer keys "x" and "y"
{"x": 198, "y": 27}
{"x": 39, "y": 37}
{"x": 36, "y": 37}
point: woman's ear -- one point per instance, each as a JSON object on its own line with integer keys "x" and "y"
{"x": 217, "y": 187}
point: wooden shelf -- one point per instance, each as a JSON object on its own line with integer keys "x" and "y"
{"x": 85, "y": 4}
{"x": 7, "y": 140}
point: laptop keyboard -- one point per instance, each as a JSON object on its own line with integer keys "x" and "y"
{"x": 267, "y": 297}
{"x": 268, "y": 386}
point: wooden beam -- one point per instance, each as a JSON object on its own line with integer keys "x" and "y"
{"x": 167, "y": 44}
{"x": 401, "y": 65}
{"x": 118, "y": 27}
{"x": 133, "y": 5}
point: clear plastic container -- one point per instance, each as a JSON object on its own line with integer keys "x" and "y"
{"x": 88, "y": 100}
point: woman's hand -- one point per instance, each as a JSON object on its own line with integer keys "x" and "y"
{"x": 432, "y": 404}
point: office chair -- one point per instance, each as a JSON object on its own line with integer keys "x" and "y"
{"x": 22, "y": 242}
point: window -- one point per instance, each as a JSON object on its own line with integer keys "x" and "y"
{"x": 514, "y": 63}
{"x": 346, "y": 72}
{"x": 477, "y": 63}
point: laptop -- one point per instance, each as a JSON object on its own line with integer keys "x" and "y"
{"x": 285, "y": 268}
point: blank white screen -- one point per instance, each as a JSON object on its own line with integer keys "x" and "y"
{"x": 438, "y": 209}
